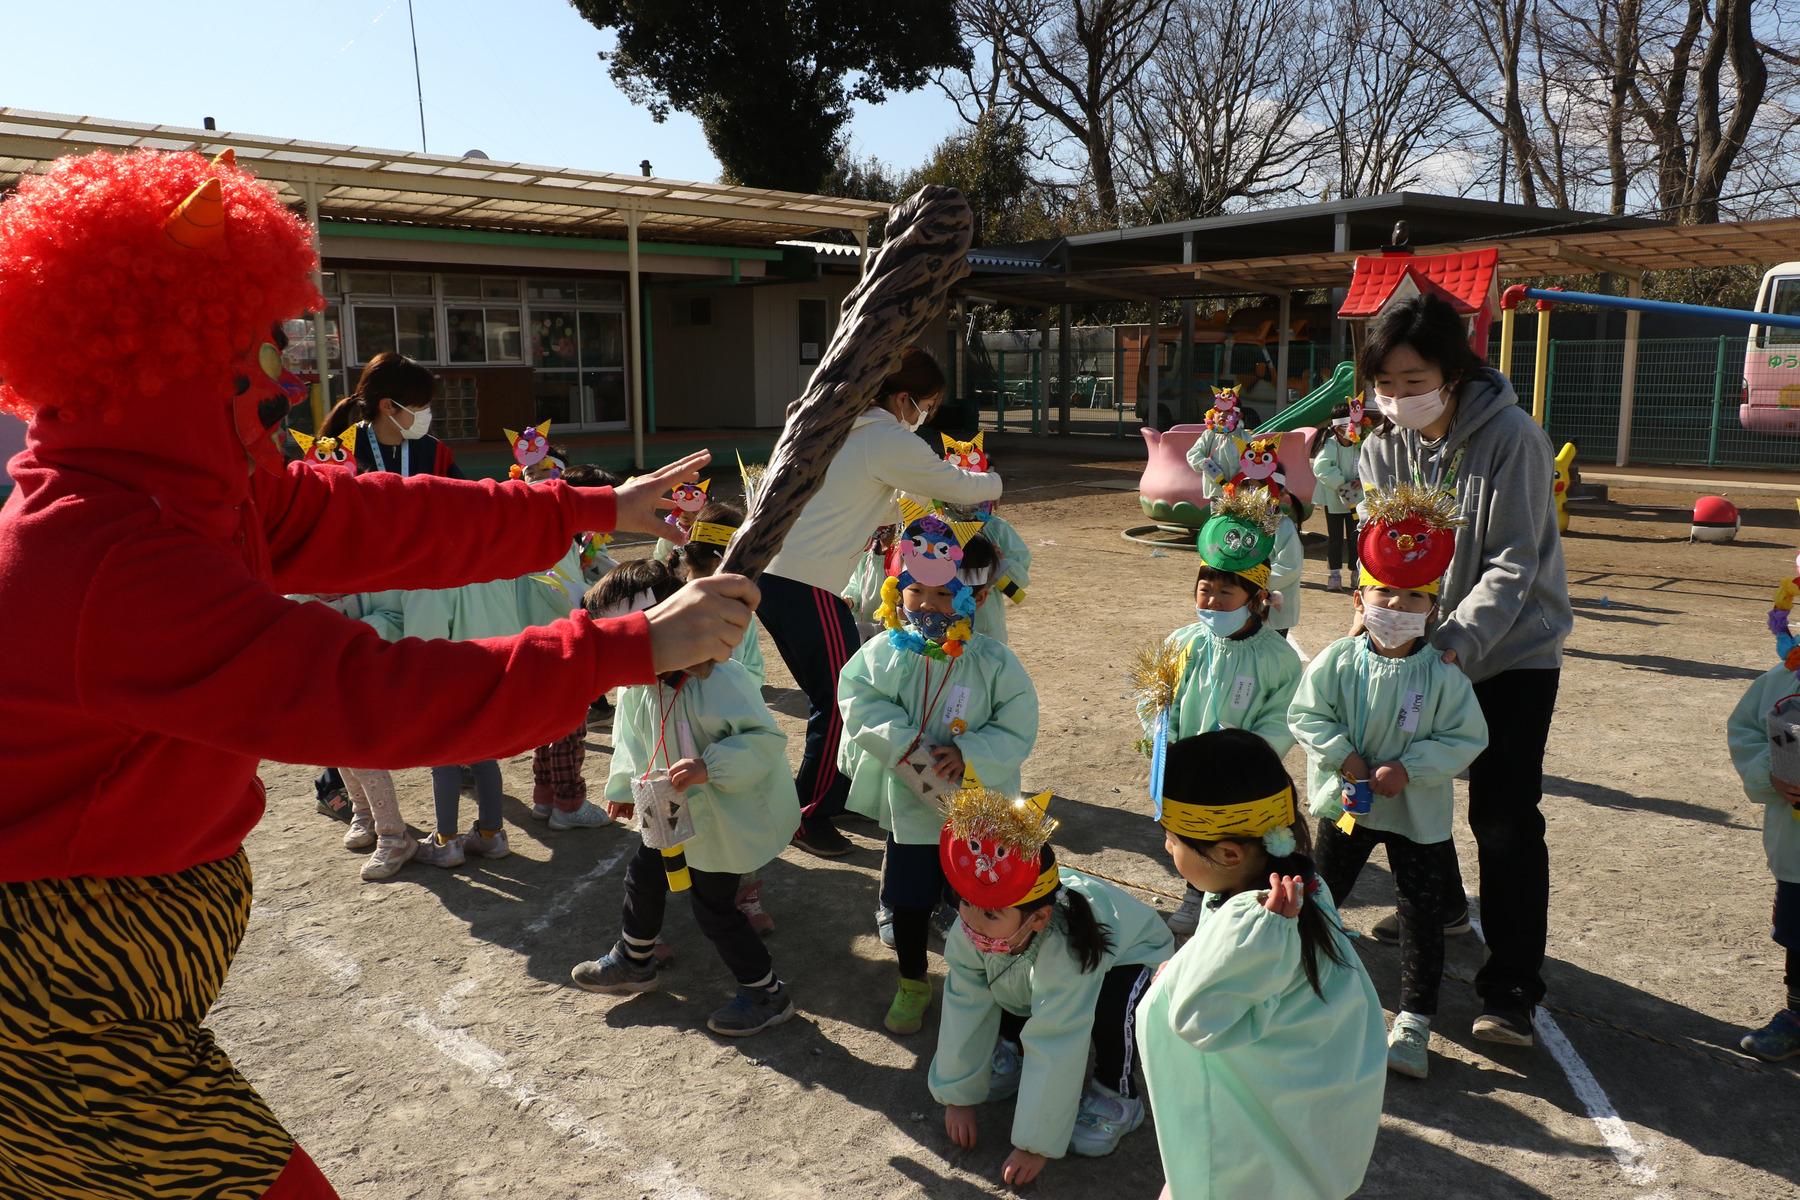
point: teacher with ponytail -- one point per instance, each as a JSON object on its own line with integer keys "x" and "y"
{"x": 391, "y": 410}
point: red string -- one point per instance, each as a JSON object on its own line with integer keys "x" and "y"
{"x": 930, "y": 704}
{"x": 662, "y": 727}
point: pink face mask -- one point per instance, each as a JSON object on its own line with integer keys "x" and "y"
{"x": 986, "y": 944}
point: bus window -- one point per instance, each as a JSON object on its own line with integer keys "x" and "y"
{"x": 1784, "y": 298}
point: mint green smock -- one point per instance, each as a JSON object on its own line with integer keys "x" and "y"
{"x": 1015, "y": 564}
{"x": 1225, "y": 451}
{"x": 1044, "y": 983}
{"x": 1235, "y": 683}
{"x": 1747, "y": 734}
{"x": 1262, "y": 1088}
{"x": 747, "y": 810}
{"x": 1287, "y": 562}
{"x": 1335, "y": 467}
{"x": 881, "y": 694}
{"x": 1418, "y": 711}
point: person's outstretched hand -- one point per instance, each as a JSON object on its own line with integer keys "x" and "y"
{"x": 1286, "y": 895}
{"x": 641, "y": 500}
{"x": 701, "y": 623}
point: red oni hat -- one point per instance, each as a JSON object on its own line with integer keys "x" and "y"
{"x": 995, "y": 850}
{"x": 1408, "y": 538}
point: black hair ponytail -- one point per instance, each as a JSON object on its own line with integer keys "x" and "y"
{"x": 1089, "y": 940}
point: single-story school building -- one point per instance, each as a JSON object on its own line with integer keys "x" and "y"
{"x": 631, "y": 312}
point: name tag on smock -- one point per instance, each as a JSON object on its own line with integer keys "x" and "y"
{"x": 1242, "y": 691}
{"x": 1410, "y": 709}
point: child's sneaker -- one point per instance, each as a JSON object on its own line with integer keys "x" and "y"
{"x": 907, "y": 1013}
{"x": 752, "y": 1010}
{"x": 1103, "y": 1119}
{"x": 662, "y": 952}
{"x": 1004, "y": 1070}
{"x": 1334, "y": 581}
{"x": 479, "y": 843}
{"x": 884, "y": 926}
{"x": 749, "y": 902}
{"x": 1504, "y": 1024}
{"x": 615, "y": 973}
{"x": 1409, "y": 1045}
{"x": 588, "y": 816}
{"x": 541, "y": 806}
{"x": 1387, "y": 930}
{"x": 391, "y": 853}
{"x": 1184, "y": 920}
{"x": 1776, "y": 1041}
{"x": 437, "y": 851}
{"x": 541, "y": 812}
{"x": 361, "y": 834}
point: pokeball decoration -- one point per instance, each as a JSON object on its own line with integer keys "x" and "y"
{"x": 1716, "y": 519}
{"x": 991, "y": 845}
{"x": 1409, "y": 536}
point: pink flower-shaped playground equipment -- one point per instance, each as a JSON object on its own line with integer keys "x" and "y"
{"x": 1171, "y": 493}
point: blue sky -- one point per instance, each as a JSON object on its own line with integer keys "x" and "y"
{"x": 517, "y": 79}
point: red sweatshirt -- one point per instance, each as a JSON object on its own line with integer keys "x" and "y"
{"x": 151, "y": 660}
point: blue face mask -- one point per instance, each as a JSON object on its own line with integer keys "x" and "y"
{"x": 932, "y": 626}
{"x": 1223, "y": 624}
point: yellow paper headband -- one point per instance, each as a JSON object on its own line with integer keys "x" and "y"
{"x": 1364, "y": 579}
{"x": 1259, "y": 574}
{"x": 1046, "y": 883}
{"x": 1216, "y": 822}
{"x": 709, "y": 534}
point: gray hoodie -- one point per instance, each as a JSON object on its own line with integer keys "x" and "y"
{"x": 1505, "y": 600}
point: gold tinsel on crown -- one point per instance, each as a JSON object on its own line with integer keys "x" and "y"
{"x": 751, "y": 475}
{"x": 1156, "y": 675}
{"x": 1436, "y": 506}
{"x": 984, "y": 813}
{"x": 1253, "y": 505}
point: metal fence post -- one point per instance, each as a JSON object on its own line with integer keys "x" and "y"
{"x": 1712, "y": 436}
{"x": 1000, "y": 392}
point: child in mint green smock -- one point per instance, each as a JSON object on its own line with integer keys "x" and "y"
{"x": 725, "y": 755}
{"x": 1775, "y": 786}
{"x": 968, "y": 705}
{"x": 1235, "y": 671}
{"x": 1339, "y": 490}
{"x": 1054, "y": 975}
{"x": 1261, "y": 1039}
{"x": 1012, "y": 578}
{"x": 863, "y": 591}
{"x": 1382, "y": 710}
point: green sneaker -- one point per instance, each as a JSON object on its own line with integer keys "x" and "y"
{"x": 907, "y": 1013}
{"x": 1409, "y": 1045}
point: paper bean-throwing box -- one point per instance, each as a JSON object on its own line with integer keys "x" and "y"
{"x": 664, "y": 818}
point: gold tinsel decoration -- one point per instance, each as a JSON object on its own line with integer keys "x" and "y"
{"x": 984, "y": 813}
{"x": 1155, "y": 676}
{"x": 751, "y": 475}
{"x": 1253, "y": 505}
{"x": 1437, "y": 506}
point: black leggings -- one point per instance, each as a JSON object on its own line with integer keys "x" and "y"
{"x": 714, "y": 897}
{"x": 912, "y": 887}
{"x": 1422, "y": 871}
{"x": 1115, "y": 1035}
{"x": 1340, "y": 540}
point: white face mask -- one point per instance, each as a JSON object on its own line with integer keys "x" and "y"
{"x": 1412, "y": 412}
{"x": 421, "y": 421}
{"x": 1393, "y": 628}
{"x": 912, "y": 426}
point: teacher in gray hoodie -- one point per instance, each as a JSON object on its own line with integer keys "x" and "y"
{"x": 1504, "y": 614}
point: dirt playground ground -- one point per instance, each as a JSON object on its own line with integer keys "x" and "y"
{"x": 421, "y": 1037}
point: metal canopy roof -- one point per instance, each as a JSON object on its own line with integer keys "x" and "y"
{"x": 1626, "y": 252}
{"x": 356, "y": 183}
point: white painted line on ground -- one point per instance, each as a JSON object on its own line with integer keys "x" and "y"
{"x": 1627, "y": 1151}
{"x": 572, "y": 893}
{"x": 1298, "y": 648}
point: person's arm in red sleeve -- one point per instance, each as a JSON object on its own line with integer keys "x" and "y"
{"x": 330, "y": 531}
{"x": 221, "y": 660}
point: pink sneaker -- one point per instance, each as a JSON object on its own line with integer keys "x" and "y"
{"x": 478, "y": 843}
{"x": 441, "y": 853}
{"x": 749, "y": 902}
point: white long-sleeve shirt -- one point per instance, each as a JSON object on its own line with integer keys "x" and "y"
{"x": 880, "y": 457}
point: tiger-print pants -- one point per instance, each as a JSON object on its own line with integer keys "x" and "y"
{"x": 110, "y": 1088}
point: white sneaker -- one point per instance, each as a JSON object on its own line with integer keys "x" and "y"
{"x": 541, "y": 812}
{"x": 1005, "y": 1069}
{"x": 588, "y": 816}
{"x": 478, "y": 844}
{"x": 1409, "y": 1045}
{"x": 1184, "y": 920}
{"x": 361, "y": 834}
{"x": 391, "y": 853}
{"x": 1334, "y": 582}
{"x": 1103, "y": 1120}
{"x": 448, "y": 853}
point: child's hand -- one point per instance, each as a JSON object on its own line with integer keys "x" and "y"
{"x": 1788, "y": 791}
{"x": 959, "y": 1123}
{"x": 1285, "y": 895}
{"x": 1390, "y": 779}
{"x": 949, "y": 761}
{"x": 622, "y": 813}
{"x": 1354, "y": 767}
{"x": 1021, "y": 1167}
{"x": 687, "y": 773}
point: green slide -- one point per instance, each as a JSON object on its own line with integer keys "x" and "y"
{"x": 1315, "y": 407}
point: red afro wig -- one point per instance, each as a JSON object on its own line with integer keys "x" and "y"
{"x": 100, "y": 308}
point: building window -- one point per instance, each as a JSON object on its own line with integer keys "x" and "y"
{"x": 815, "y": 327}
{"x": 410, "y": 329}
{"x": 578, "y": 348}
{"x": 484, "y": 335}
